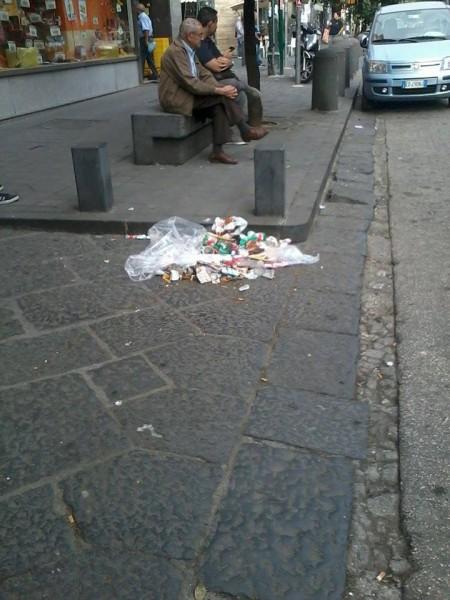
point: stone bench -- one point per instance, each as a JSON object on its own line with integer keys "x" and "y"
{"x": 166, "y": 138}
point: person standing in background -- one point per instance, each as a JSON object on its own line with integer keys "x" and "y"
{"x": 146, "y": 43}
{"x": 239, "y": 35}
{"x": 258, "y": 38}
{"x": 336, "y": 25}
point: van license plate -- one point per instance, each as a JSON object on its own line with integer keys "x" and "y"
{"x": 413, "y": 84}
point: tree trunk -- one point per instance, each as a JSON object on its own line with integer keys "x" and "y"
{"x": 250, "y": 44}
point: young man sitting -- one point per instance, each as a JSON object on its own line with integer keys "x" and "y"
{"x": 220, "y": 63}
{"x": 187, "y": 88}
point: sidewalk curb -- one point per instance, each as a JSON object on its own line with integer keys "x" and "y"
{"x": 83, "y": 223}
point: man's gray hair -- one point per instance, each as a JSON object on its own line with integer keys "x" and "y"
{"x": 189, "y": 26}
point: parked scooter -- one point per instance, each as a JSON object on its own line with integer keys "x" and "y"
{"x": 310, "y": 43}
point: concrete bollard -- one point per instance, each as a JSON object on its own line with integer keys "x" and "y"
{"x": 355, "y": 54}
{"x": 270, "y": 179}
{"x": 325, "y": 81}
{"x": 348, "y": 74}
{"x": 93, "y": 177}
{"x": 340, "y": 54}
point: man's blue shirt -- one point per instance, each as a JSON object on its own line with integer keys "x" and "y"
{"x": 191, "y": 56}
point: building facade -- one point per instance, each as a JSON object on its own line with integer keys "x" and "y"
{"x": 227, "y": 13}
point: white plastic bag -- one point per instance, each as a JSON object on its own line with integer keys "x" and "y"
{"x": 288, "y": 254}
{"x": 173, "y": 241}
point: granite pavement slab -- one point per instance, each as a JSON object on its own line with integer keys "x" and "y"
{"x": 130, "y": 333}
{"x": 143, "y": 501}
{"x": 282, "y": 528}
{"x": 48, "y": 354}
{"x": 315, "y": 361}
{"x": 32, "y": 533}
{"x": 126, "y": 378}
{"x": 335, "y": 273}
{"x": 195, "y": 423}
{"x": 322, "y": 311}
{"x": 10, "y": 326}
{"x": 213, "y": 363}
{"x": 43, "y": 432}
{"x": 104, "y": 575}
{"x": 310, "y": 421}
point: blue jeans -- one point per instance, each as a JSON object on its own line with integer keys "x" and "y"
{"x": 147, "y": 57}
{"x": 258, "y": 55}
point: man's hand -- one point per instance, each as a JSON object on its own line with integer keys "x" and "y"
{"x": 219, "y": 64}
{"x": 224, "y": 62}
{"x": 227, "y": 90}
{"x": 228, "y": 54}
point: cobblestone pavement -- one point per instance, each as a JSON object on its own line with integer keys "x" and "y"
{"x": 241, "y": 482}
{"x": 378, "y": 553}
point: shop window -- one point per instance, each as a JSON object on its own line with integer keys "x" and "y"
{"x": 46, "y": 32}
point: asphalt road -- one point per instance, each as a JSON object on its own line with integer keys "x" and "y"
{"x": 418, "y": 184}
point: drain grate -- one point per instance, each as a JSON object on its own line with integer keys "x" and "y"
{"x": 280, "y": 123}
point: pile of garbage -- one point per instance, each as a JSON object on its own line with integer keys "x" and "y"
{"x": 182, "y": 250}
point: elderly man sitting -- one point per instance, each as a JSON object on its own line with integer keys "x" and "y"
{"x": 220, "y": 63}
{"x": 189, "y": 89}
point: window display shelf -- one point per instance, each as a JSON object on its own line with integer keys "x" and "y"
{"x": 45, "y": 33}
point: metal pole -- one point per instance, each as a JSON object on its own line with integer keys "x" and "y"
{"x": 298, "y": 35}
{"x": 281, "y": 38}
{"x": 271, "y": 56}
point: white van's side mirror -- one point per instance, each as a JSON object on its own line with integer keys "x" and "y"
{"x": 364, "y": 41}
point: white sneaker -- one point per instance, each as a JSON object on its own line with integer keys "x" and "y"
{"x": 8, "y": 198}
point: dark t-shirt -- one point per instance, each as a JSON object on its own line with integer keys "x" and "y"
{"x": 336, "y": 26}
{"x": 208, "y": 51}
